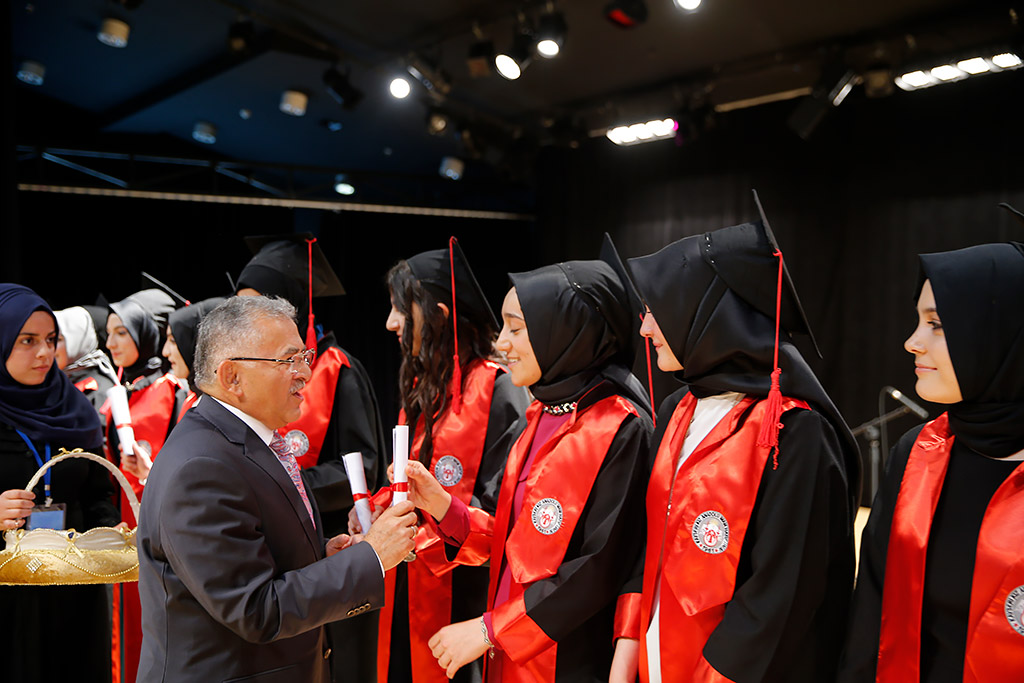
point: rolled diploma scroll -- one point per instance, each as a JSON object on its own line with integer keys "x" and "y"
{"x": 400, "y": 447}
{"x": 118, "y": 397}
{"x": 357, "y": 482}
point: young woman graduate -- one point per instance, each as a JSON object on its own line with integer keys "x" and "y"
{"x": 749, "y": 558}
{"x": 569, "y": 512}
{"x": 135, "y": 335}
{"x": 466, "y": 414}
{"x": 940, "y": 592}
{"x": 41, "y": 412}
{"x": 339, "y": 413}
{"x": 180, "y": 345}
{"x": 80, "y": 357}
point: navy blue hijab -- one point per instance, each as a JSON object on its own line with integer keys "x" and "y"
{"x": 53, "y": 412}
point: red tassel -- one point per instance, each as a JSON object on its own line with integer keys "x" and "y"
{"x": 650, "y": 378}
{"x": 457, "y": 370}
{"x": 771, "y": 424}
{"x": 457, "y": 386}
{"x": 310, "y": 328}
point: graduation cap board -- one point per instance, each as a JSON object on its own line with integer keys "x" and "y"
{"x": 433, "y": 269}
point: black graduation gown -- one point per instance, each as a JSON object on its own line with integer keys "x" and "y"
{"x": 795, "y": 573}
{"x": 469, "y": 584}
{"x": 969, "y": 484}
{"x": 97, "y": 396}
{"x": 57, "y": 633}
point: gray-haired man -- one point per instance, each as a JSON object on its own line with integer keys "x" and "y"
{"x": 235, "y": 576}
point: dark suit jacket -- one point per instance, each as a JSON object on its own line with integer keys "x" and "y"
{"x": 232, "y": 574}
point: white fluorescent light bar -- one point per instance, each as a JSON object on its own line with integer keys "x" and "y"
{"x": 658, "y": 129}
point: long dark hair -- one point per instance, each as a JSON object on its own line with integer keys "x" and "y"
{"x": 423, "y": 379}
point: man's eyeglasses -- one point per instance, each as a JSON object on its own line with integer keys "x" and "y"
{"x": 306, "y": 357}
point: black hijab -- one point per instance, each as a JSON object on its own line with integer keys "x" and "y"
{"x": 713, "y": 296}
{"x": 580, "y": 326}
{"x": 144, "y": 314}
{"x": 184, "y": 324}
{"x": 979, "y": 296}
{"x": 55, "y": 411}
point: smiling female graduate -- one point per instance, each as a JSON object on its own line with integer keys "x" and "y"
{"x": 749, "y": 558}
{"x": 569, "y": 512}
{"x": 940, "y": 593}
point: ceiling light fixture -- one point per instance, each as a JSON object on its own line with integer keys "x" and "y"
{"x": 438, "y": 122}
{"x": 400, "y": 88}
{"x": 31, "y": 72}
{"x": 1006, "y": 60}
{"x": 687, "y": 5}
{"x": 452, "y": 168}
{"x": 964, "y": 68}
{"x": 341, "y": 89}
{"x": 293, "y": 102}
{"x": 342, "y": 186}
{"x": 973, "y": 66}
{"x": 480, "y": 59}
{"x": 626, "y": 13}
{"x": 657, "y": 129}
{"x": 551, "y": 30}
{"x": 114, "y": 32}
{"x": 512, "y": 63}
{"x": 204, "y": 132}
{"x": 240, "y": 35}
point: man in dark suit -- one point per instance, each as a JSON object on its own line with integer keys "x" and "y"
{"x": 235, "y": 575}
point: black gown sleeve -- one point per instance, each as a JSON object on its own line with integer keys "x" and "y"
{"x": 355, "y": 426}
{"x": 860, "y": 657}
{"x": 785, "y": 621}
{"x": 609, "y": 530}
{"x": 505, "y": 422}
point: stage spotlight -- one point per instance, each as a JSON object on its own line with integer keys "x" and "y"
{"x": 204, "y": 132}
{"x": 626, "y": 13}
{"x": 1006, "y": 60}
{"x": 31, "y": 72}
{"x": 480, "y": 59}
{"x": 452, "y": 168}
{"x": 973, "y": 66}
{"x": 114, "y": 32}
{"x": 400, "y": 88}
{"x": 341, "y": 89}
{"x": 343, "y": 186}
{"x": 688, "y": 5}
{"x": 240, "y": 35}
{"x": 551, "y": 30}
{"x": 438, "y": 122}
{"x": 835, "y": 85}
{"x": 293, "y": 102}
{"x": 511, "y": 64}
{"x": 657, "y": 129}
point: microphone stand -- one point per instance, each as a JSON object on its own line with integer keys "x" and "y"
{"x": 873, "y": 433}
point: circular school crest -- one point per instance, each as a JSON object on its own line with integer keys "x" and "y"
{"x": 547, "y": 516}
{"x": 448, "y": 470}
{"x": 711, "y": 532}
{"x": 1014, "y": 609}
{"x": 297, "y": 442}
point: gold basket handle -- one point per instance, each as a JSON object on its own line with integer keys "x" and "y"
{"x": 79, "y": 453}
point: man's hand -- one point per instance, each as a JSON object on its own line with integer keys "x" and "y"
{"x": 393, "y": 535}
{"x": 135, "y": 463}
{"x": 15, "y": 506}
{"x": 340, "y": 542}
{"x": 457, "y": 645}
{"x": 424, "y": 491}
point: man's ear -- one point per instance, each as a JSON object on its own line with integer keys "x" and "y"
{"x": 444, "y": 308}
{"x": 228, "y": 378}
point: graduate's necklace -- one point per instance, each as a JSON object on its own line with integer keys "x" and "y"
{"x": 560, "y": 408}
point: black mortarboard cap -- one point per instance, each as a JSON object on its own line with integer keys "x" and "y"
{"x": 433, "y": 270}
{"x": 280, "y": 267}
{"x": 742, "y": 255}
{"x": 610, "y": 255}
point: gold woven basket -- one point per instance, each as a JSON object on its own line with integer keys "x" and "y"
{"x": 47, "y": 557}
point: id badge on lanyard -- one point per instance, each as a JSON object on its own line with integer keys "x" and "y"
{"x": 49, "y": 515}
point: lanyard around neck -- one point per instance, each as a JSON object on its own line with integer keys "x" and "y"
{"x": 39, "y": 461}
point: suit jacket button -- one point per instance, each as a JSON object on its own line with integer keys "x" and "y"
{"x": 327, "y": 653}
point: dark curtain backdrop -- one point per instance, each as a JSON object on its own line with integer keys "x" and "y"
{"x": 879, "y": 182}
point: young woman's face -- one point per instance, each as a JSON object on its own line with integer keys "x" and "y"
{"x": 34, "y": 350}
{"x": 62, "y": 352}
{"x": 121, "y": 345}
{"x": 171, "y": 353}
{"x": 514, "y": 342}
{"x": 936, "y": 380}
{"x": 396, "y": 323}
{"x": 667, "y": 361}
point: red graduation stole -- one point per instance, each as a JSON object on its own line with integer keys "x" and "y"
{"x": 693, "y": 545}
{"x": 458, "y": 447}
{"x": 88, "y": 384}
{"x": 563, "y": 471}
{"x": 995, "y": 633}
{"x": 316, "y": 409}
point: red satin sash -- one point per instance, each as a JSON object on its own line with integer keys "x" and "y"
{"x": 995, "y": 650}
{"x": 564, "y": 469}
{"x": 88, "y": 384}
{"x": 460, "y": 436}
{"x": 189, "y": 403}
{"x": 316, "y": 409}
{"x": 719, "y": 481}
